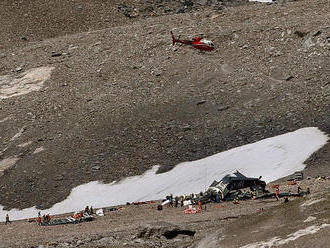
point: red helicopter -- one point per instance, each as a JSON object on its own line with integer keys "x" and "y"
{"x": 197, "y": 42}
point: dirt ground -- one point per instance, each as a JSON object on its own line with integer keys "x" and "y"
{"x": 221, "y": 225}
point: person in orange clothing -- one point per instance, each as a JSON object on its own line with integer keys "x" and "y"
{"x": 200, "y": 205}
{"x": 277, "y": 193}
{"x": 39, "y": 220}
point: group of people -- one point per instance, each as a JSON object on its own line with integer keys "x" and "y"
{"x": 43, "y": 219}
{"x": 178, "y": 200}
{"x": 87, "y": 210}
{"x": 174, "y": 201}
{"x": 286, "y": 199}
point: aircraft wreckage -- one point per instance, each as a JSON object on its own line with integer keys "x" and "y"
{"x": 230, "y": 187}
{"x": 235, "y": 182}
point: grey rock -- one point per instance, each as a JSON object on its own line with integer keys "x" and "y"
{"x": 182, "y": 10}
{"x": 326, "y": 84}
{"x": 139, "y": 241}
{"x": 316, "y": 33}
{"x": 65, "y": 244}
{"x": 208, "y": 2}
{"x": 280, "y": 74}
{"x": 300, "y": 33}
{"x": 59, "y": 178}
{"x": 201, "y": 102}
{"x": 107, "y": 241}
{"x": 187, "y": 128}
{"x": 53, "y": 244}
{"x": 96, "y": 167}
{"x": 308, "y": 43}
{"x": 18, "y": 69}
{"x": 79, "y": 242}
{"x": 288, "y": 78}
{"x": 222, "y": 108}
{"x": 162, "y": 229}
{"x": 55, "y": 54}
{"x": 164, "y": 168}
{"x": 188, "y": 3}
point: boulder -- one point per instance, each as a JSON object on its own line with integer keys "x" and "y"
{"x": 162, "y": 229}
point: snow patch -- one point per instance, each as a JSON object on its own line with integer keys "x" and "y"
{"x": 39, "y": 149}
{"x": 17, "y": 135}
{"x": 7, "y": 163}
{"x": 5, "y": 119}
{"x": 25, "y": 144}
{"x": 26, "y": 82}
{"x": 276, "y": 241}
{"x": 311, "y": 202}
{"x": 273, "y": 158}
{"x": 310, "y": 219}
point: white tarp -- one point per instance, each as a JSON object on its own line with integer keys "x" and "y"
{"x": 99, "y": 212}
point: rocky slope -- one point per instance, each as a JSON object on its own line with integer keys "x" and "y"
{"x": 110, "y": 99}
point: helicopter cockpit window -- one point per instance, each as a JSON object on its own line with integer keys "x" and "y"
{"x": 208, "y": 42}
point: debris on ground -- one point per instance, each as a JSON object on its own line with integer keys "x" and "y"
{"x": 77, "y": 218}
{"x": 192, "y": 210}
{"x": 99, "y": 212}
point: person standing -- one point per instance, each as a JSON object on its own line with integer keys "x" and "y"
{"x": 181, "y": 201}
{"x": 7, "y": 220}
{"x": 277, "y": 193}
{"x": 171, "y": 200}
{"x": 298, "y": 190}
{"x": 176, "y": 201}
{"x": 48, "y": 218}
{"x": 200, "y": 205}
{"x": 39, "y": 220}
{"x": 217, "y": 197}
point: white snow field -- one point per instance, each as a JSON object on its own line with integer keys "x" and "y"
{"x": 271, "y": 158}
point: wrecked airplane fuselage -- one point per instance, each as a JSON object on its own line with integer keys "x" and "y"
{"x": 235, "y": 181}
